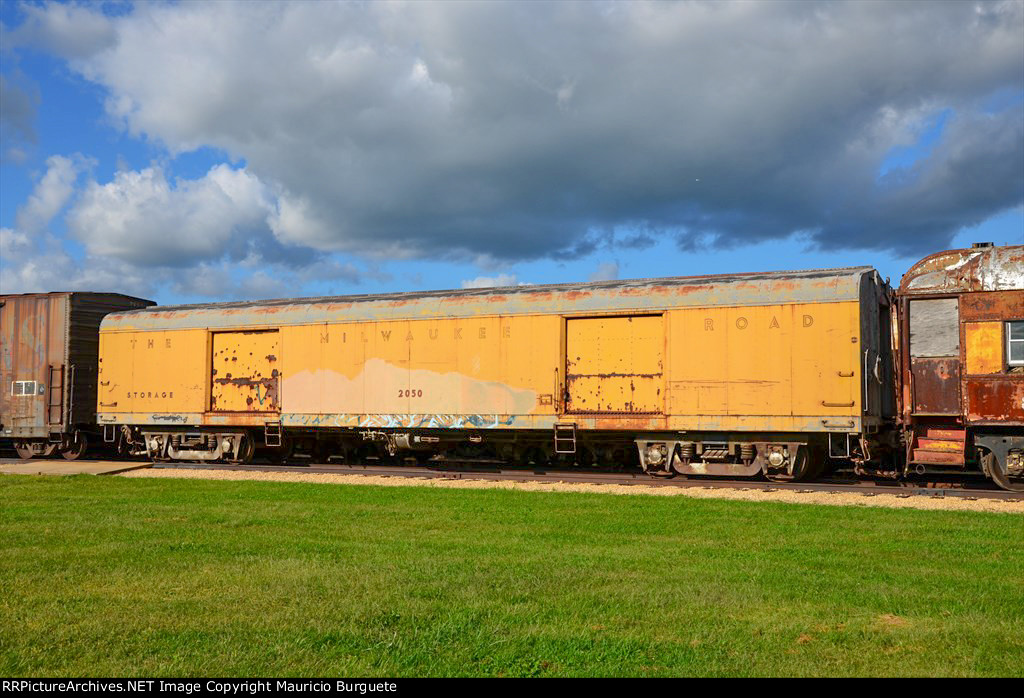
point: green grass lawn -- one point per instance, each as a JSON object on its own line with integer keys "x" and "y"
{"x": 115, "y": 576}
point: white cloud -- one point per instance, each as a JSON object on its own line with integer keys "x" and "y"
{"x": 140, "y": 217}
{"x": 458, "y": 130}
{"x": 206, "y": 238}
{"x": 293, "y": 221}
{"x": 41, "y": 264}
{"x": 69, "y": 30}
{"x": 606, "y": 271}
{"x": 492, "y": 281}
{"x": 50, "y": 195}
{"x": 12, "y": 243}
{"x": 31, "y": 258}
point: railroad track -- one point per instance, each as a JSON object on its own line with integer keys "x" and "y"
{"x": 961, "y": 490}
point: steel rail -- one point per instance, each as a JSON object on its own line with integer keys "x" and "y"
{"x": 869, "y": 488}
{"x": 961, "y": 488}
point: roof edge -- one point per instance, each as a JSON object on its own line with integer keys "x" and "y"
{"x": 523, "y": 288}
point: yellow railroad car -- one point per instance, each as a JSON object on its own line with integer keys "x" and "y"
{"x": 733, "y": 374}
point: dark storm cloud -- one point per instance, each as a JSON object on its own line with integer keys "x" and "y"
{"x": 525, "y": 130}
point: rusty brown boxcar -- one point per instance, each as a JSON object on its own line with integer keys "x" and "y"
{"x": 49, "y": 346}
{"x": 961, "y": 348}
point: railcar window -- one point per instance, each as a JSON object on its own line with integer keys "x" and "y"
{"x": 1015, "y": 343}
{"x": 23, "y": 388}
{"x": 934, "y": 328}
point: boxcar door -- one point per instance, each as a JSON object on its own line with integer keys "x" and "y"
{"x": 614, "y": 365}
{"x": 244, "y": 375}
{"x": 935, "y": 356}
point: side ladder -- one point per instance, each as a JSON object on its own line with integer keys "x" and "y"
{"x": 565, "y": 438}
{"x": 55, "y": 397}
{"x": 272, "y": 433}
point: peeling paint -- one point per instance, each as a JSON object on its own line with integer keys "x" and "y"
{"x": 973, "y": 270}
{"x": 376, "y": 390}
{"x": 813, "y": 286}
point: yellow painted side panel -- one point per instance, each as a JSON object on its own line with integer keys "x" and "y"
{"x": 302, "y": 350}
{"x": 827, "y": 359}
{"x": 614, "y": 364}
{"x": 984, "y": 347}
{"x": 785, "y": 361}
{"x": 752, "y": 368}
{"x": 115, "y": 392}
{"x": 698, "y": 365}
{"x": 532, "y": 354}
{"x": 386, "y": 370}
{"x": 244, "y": 373}
{"x": 481, "y": 385}
{"x": 339, "y": 378}
{"x": 434, "y": 363}
{"x": 443, "y": 366}
{"x": 779, "y": 360}
{"x": 162, "y": 372}
{"x": 332, "y": 375}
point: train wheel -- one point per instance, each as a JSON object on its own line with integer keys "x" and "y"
{"x": 284, "y": 452}
{"x": 75, "y": 448}
{"x": 807, "y": 466}
{"x": 246, "y": 450}
{"x": 537, "y": 457}
{"x": 585, "y": 458}
{"x": 323, "y": 451}
{"x": 816, "y": 463}
{"x": 1000, "y": 476}
{"x": 24, "y": 449}
{"x": 804, "y": 467}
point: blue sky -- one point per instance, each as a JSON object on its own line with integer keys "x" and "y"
{"x": 192, "y": 152}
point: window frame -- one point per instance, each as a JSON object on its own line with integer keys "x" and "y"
{"x": 21, "y": 388}
{"x": 1010, "y": 342}
{"x": 926, "y": 325}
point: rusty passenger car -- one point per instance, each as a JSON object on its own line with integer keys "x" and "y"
{"x": 962, "y": 362}
{"x": 49, "y": 344}
{"x": 736, "y": 374}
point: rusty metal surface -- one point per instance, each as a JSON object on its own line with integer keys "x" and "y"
{"x": 995, "y": 400}
{"x": 927, "y": 457}
{"x": 938, "y": 446}
{"x": 244, "y": 374}
{"x": 52, "y": 339}
{"x": 936, "y": 386}
{"x": 32, "y": 339}
{"x": 829, "y": 285}
{"x": 959, "y": 271}
{"x": 614, "y": 365}
{"x": 988, "y": 283}
{"x": 995, "y": 391}
{"x": 994, "y": 305}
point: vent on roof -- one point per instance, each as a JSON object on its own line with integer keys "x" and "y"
{"x": 981, "y": 244}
